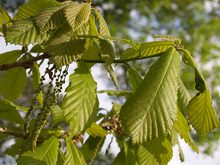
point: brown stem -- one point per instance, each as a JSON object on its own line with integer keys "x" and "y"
{"x": 26, "y": 64}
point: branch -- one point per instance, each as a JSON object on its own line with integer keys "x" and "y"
{"x": 26, "y": 64}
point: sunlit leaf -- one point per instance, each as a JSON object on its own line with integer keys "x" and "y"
{"x": 199, "y": 79}
{"x": 9, "y": 112}
{"x": 107, "y": 51}
{"x": 60, "y": 158}
{"x": 50, "y": 18}
{"x": 57, "y": 114}
{"x": 77, "y": 14}
{"x": 181, "y": 126}
{"x": 9, "y": 57}
{"x": 12, "y": 83}
{"x": 150, "y": 112}
{"x": 73, "y": 155}
{"x": 103, "y": 27}
{"x": 92, "y": 147}
{"x": 80, "y": 102}
{"x": 23, "y": 33}
{"x": 134, "y": 77}
{"x": 45, "y": 154}
{"x": 148, "y": 49}
{"x": 144, "y": 157}
{"x": 126, "y": 156}
{"x": 183, "y": 97}
{"x": 33, "y": 7}
{"x": 96, "y": 130}
{"x": 4, "y": 18}
{"x": 161, "y": 148}
{"x": 201, "y": 113}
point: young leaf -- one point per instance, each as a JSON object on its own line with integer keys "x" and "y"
{"x": 33, "y": 7}
{"x": 112, "y": 75}
{"x": 183, "y": 96}
{"x": 134, "y": 77}
{"x": 148, "y": 49}
{"x": 107, "y": 51}
{"x": 6, "y": 111}
{"x": 150, "y": 112}
{"x": 57, "y": 114}
{"x": 126, "y": 156}
{"x": 60, "y": 158}
{"x": 103, "y": 27}
{"x": 199, "y": 79}
{"x": 23, "y": 33}
{"x": 16, "y": 148}
{"x": 144, "y": 157}
{"x": 45, "y": 154}
{"x": 77, "y": 14}
{"x": 181, "y": 126}
{"x": 201, "y": 114}
{"x": 12, "y": 83}
{"x": 92, "y": 147}
{"x": 80, "y": 102}
{"x": 96, "y": 130}
{"x": 161, "y": 148}
{"x": 4, "y": 18}
{"x": 73, "y": 155}
{"x": 66, "y": 48}
{"x": 9, "y": 57}
{"x": 50, "y": 18}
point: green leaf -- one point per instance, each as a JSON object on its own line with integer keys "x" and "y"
{"x": 77, "y": 14}
{"x": 161, "y": 148}
{"x": 9, "y": 112}
{"x": 80, "y": 102}
{"x": 126, "y": 156}
{"x": 150, "y": 112}
{"x": 134, "y": 77}
{"x": 23, "y": 33}
{"x": 91, "y": 50}
{"x": 16, "y": 148}
{"x": 50, "y": 19}
{"x": 144, "y": 157}
{"x": 33, "y": 7}
{"x": 199, "y": 79}
{"x": 45, "y": 154}
{"x": 92, "y": 147}
{"x": 9, "y": 57}
{"x": 183, "y": 97}
{"x": 96, "y": 130}
{"x": 148, "y": 49}
{"x": 66, "y": 48}
{"x": 181, "y": 126}
{"x": 73, "y": 156}
{"x": 201, "y": 113}
{"x": 4, "y": 18}
{"x": 112, "y": 75}
{"x": 103, "y": 27}
{"x": 57, "y": 114}
{"x": 61, "y": 158}
{"x": 12, "y": 83}
{"x": 107, "y": 51}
